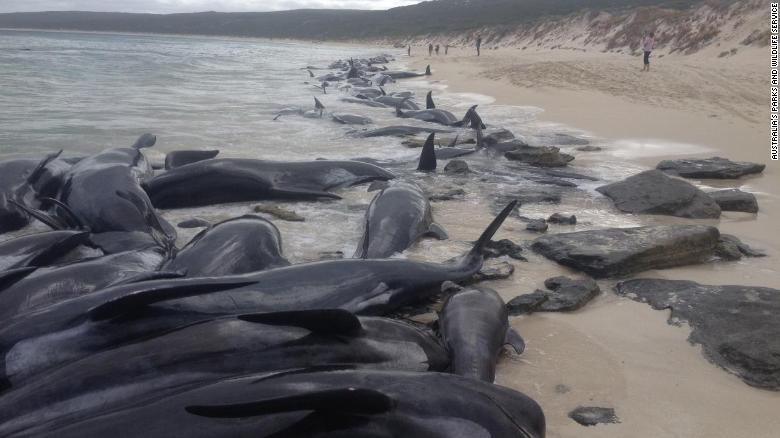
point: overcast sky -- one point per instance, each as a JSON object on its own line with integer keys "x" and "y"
{"x": 169, "y": 6}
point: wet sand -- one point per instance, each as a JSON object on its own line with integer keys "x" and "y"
{"x": 616, "y": 352}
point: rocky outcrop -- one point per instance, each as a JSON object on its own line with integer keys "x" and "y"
{"x": 456, "y": 167}
{"x": 715, "y": 168}
{"x": 503, "y": 247}
{"x": 541, "y": 156}
{"x": 735, "y": 200}
{"x": 737, "y": 326}
{"x": 537, "y": 226}
{"x": 562, "y": 219}
{"x": 591, "y": 415}
{"x": 564, "y": 295}
{"x": 616, "y": 252}
{"x": 653, "y": 192}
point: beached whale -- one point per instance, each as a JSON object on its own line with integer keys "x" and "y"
{"x": 397, "y": 217}
{"x": 222, "y": 180}
{"x": 50, "y": 285}
{"x": 23, "y": 181}
{"x": 351, "y": 119}
{"x": 190, "y": 356}
{"x": 40, "y": 249}
{"x": 317, "y": 404}
{"x": 407, "y": 74}
{"x": 473, "y": 323}
{"x": 236, "y": 246}
{"x": 367, "y": 287}
{"x": 180, "y": 158}
{"x": 431, "y": 114}
{"x": 367, "y": 102}
{"x": 399, "y": 131}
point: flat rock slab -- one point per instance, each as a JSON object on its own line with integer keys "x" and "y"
{"x": 503, "y": 247}
{"x": 455, "y": 167}
{"x": 616, "y": 252}
{"x": 714, "y": 168}
{"x": 591, "y": 415}
{"x": 737, "y": 326}
{"x": 492, "y": 270}
{"x": 562, "y": 219}
{"x": 654, "y": 192}
{"x": 541, "y": 156}
{"x": 537, "y": 226}
{"x": 735, "y": 200}
{"x": 564, "y": 295}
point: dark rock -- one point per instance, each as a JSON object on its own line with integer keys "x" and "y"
{"x": 494, "y": 271}
{"x": 715, "y": 168}
{"x": 279, "y": 213}
{"x": 743, "y": 247}
{"x": 542, "y": 156}
{"x": 591, "y": 415}
{"x": 735, "y": 200}
{"x": 562, "y": 389}
{"x": 558, "y": 218}
{"x": 531, "y": 197}
{"x": 737, "y": 326}
{"x": 447, "y": 195}
{"x": 537, "y": 226}
{"x": 498, "y": 136}
{"x": 568, "y": 294}
{"x": 195, "y": 222}
{"x": 624, "y": 251}
{"x": 653, "y": 192}
{"x": 503, "y": 247}
{"x": 728, "y": 250}
{"x": 456, "y": 167}
{"x": 526, "y": 304}
{"x": 589, "y": 148}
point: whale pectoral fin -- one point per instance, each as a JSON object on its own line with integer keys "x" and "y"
{"x": 47, "y": 219}
{"x": 437, "y": 231}
{"x": 148, "y": 276}
{"x": 325, "y": 321}
{"x": 347, "y": 400}
{"x": 379, "y": 296}
{"x": 513, "y": 339}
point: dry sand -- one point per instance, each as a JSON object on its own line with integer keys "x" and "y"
{"x": 615, "y": 352}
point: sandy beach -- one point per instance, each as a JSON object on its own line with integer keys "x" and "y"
{"x": 616, "y": 352}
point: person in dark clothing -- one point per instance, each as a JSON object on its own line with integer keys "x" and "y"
{"x": 437, "y": 50}
{"x": 479, "y": 43}
{"x": 409, "y": 50}
{"x": 430, "y": 49}
{"x": 446, "y": 48}
{"x": 648, "y": 44}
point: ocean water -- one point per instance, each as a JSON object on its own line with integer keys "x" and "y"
{"x": 84, "y": 92}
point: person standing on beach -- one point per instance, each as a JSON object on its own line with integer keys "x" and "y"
{"x": 409, "y": 50}
{"x": 479, "y": 43}
{"x": 446, "y": 48}
{"x": 430, "y": 49}
{"x": 437, "y": 50}
{"x": 648, "y": 44}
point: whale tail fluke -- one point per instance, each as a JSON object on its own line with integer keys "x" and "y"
{"x": 145, "y": 141}
{"x": 428, "y": 156}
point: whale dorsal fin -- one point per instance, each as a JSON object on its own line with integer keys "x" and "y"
{"x": 323, "y": 321}
{"x": 437, "y": 231}
{"x": 428, "y": 156}
{"x": 347, "y": 400}
{"x": 429, "y": 101}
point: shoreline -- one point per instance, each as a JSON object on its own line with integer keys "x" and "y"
{"x": 615, "y": 352}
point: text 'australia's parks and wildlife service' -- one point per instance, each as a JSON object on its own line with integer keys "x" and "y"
{"x": 774, "y": 119}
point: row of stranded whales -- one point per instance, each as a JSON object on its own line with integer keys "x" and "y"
{"x": 222, "y": 180}
{"x": 71, "y": 329}
{"x": 147, "y": 339}
{"x": 222, "y": 347}
{"x": 397, "y": 217}
{"x": 320, "y": 403}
